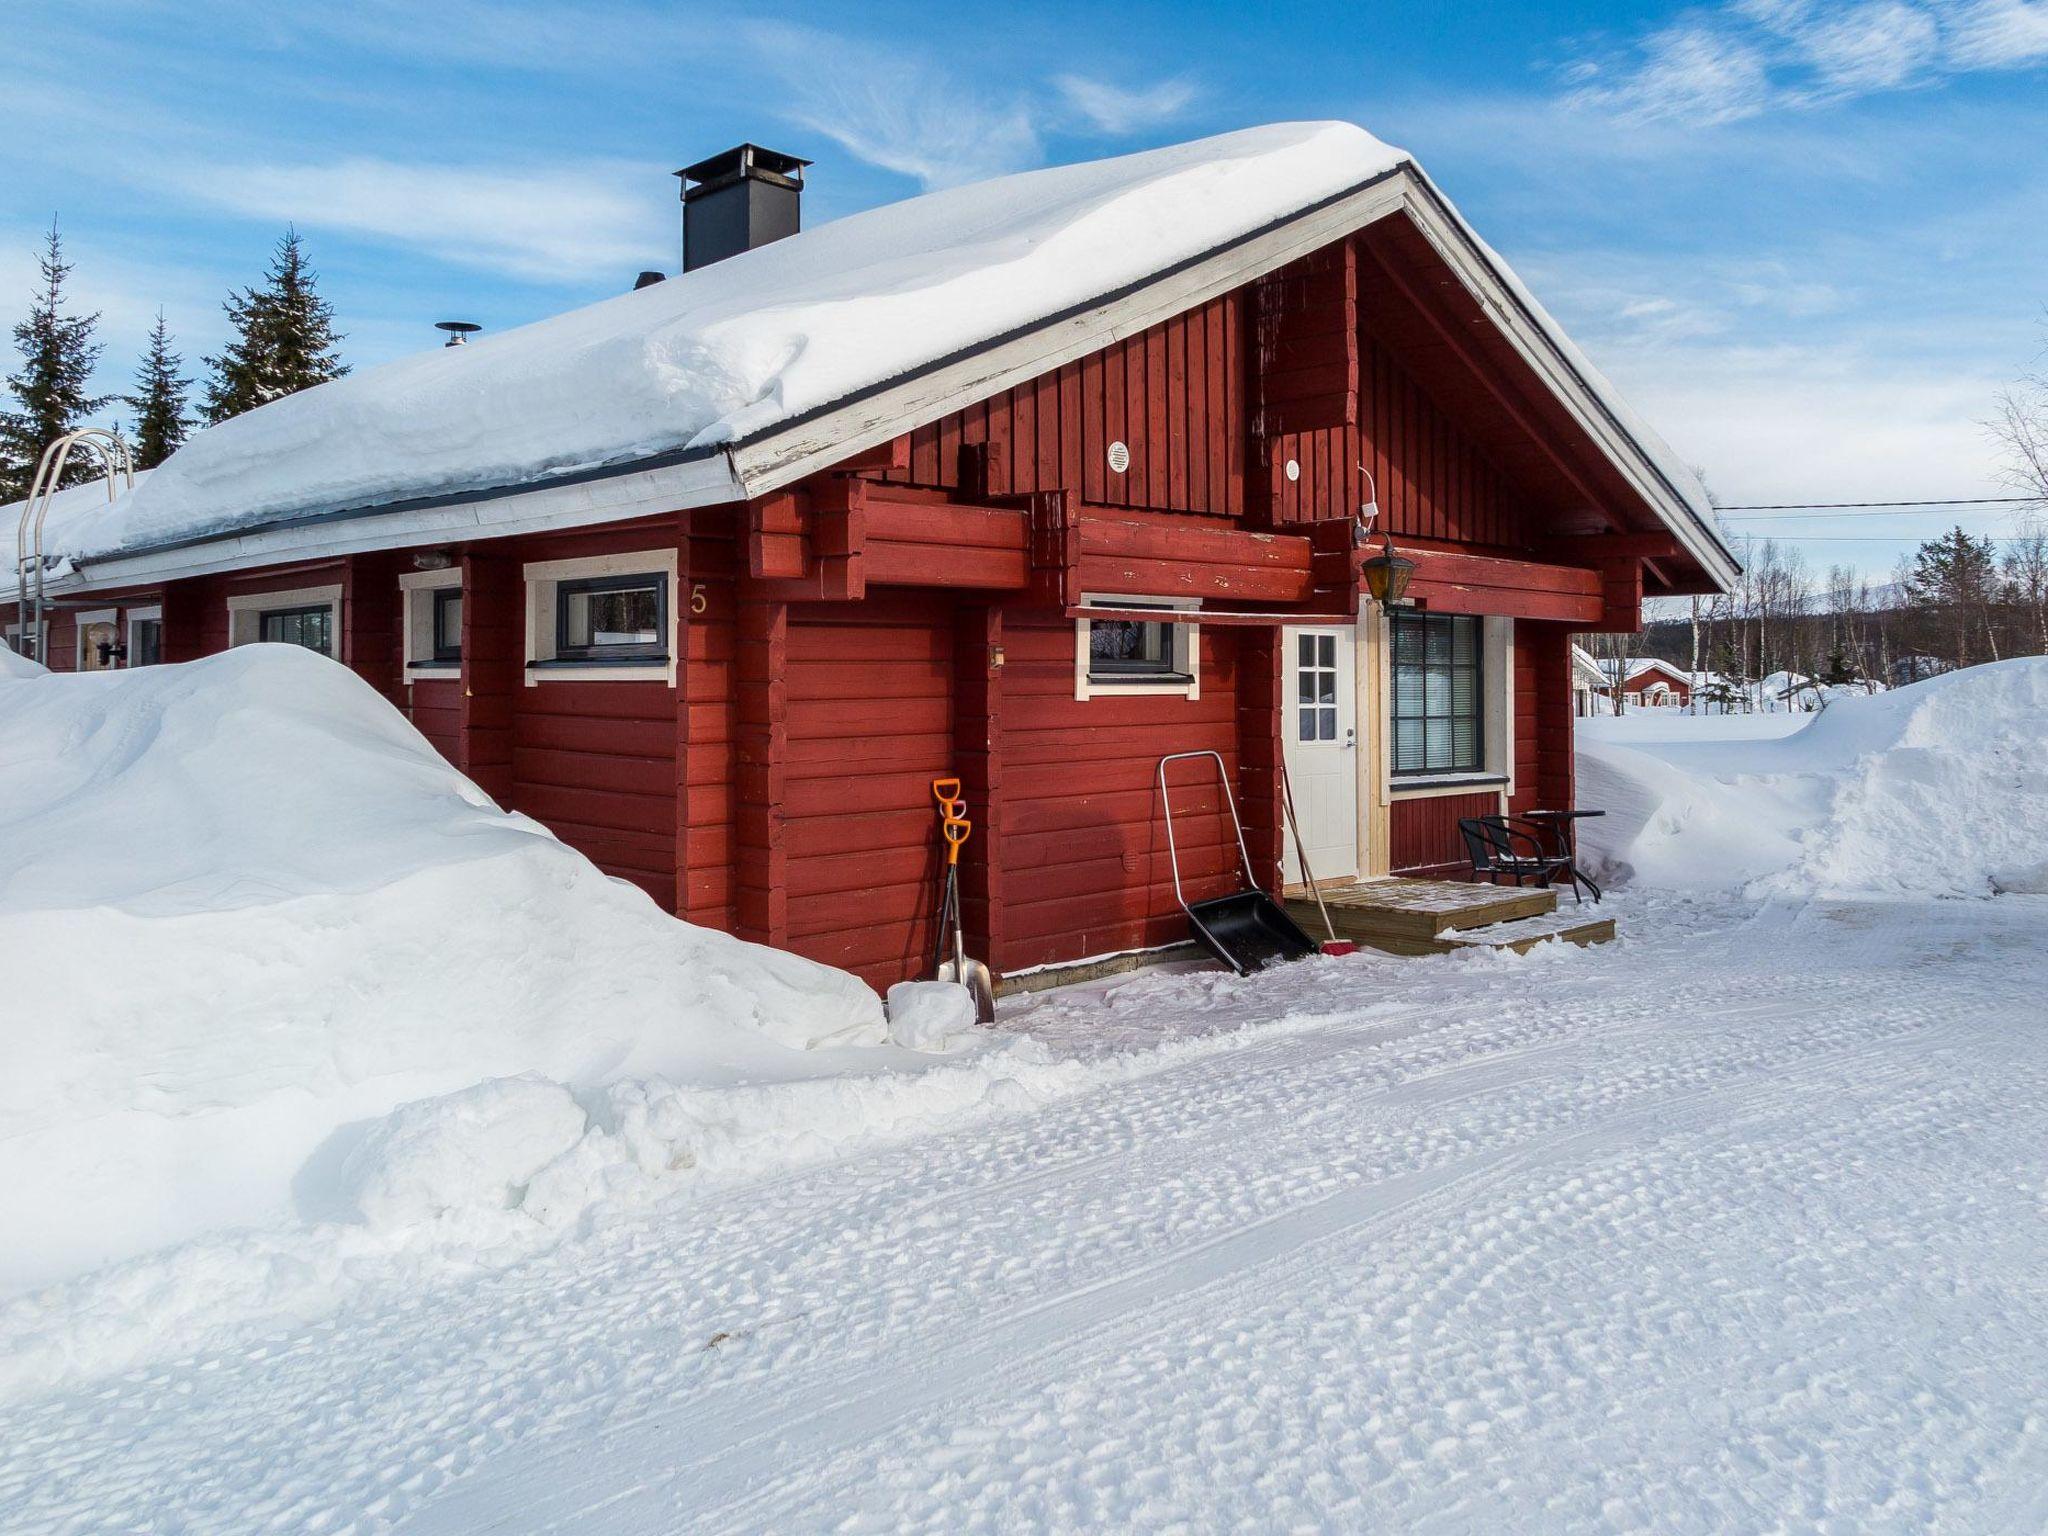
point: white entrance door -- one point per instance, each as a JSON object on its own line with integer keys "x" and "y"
{"x": 1321, "y": 736}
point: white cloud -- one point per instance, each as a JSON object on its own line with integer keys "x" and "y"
{"x": 895, "y": 110}
{"x": 1747, "y": 57}
{"x": 565, "y": 222}
{"x": 1117, "y": 109}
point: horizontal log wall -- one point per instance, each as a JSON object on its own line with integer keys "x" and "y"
{"x": 1085, "y": 867}
{"x": 870, "y": 727}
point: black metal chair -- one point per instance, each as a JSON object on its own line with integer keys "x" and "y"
{"x": 1497, "y": 847}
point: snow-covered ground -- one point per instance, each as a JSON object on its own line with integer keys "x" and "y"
{"x": 1738, "y": 1224}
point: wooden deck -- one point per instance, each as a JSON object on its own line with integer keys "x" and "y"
{"x": 1439, "y": 917}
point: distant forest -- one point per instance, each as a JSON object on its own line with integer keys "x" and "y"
{"x": 1957, "y": 601}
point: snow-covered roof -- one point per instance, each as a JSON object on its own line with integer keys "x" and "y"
{"x": 1640, "y": 666}
{"x": 680, "y": 375}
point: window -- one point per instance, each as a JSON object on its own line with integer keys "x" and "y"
{"x": 145, "y": 637}
{"x": 311, "y": 627}
{"x": 607, "y": 618}
{"x": 1438, "y": 703}
{"x": 99, "y": 640}
{"x": 1119, "y": 648}
{"x": 1142, "y": 656}
{"x": 24, "y": 642}
{"x": 447, "y": 644}
{"x": 305, "y": 616}
{"x": 1315, "y": 671}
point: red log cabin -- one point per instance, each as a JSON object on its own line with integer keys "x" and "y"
{"x": 1106, "y": 530}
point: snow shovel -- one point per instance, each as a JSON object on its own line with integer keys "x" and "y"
{"x": 1247, "y": 930}
{"x": 971, "y": 974}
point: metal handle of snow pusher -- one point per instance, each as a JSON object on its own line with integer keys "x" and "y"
{"x": 1301, "y": 853}
{"x": 1173, "y": 852}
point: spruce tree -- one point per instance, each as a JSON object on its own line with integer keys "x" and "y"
{"x": 284, "y": 338}
{"x": 58, "y": 355}
{"x": 159, "y": 400}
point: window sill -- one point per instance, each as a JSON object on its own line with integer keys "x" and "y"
{"x": 637, "y": 669}
{"x": 433, "y": 669}
{"x": 1420, "y": 783}
{"x": 1140, "y": 680}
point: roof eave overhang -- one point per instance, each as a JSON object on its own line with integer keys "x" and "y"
{"x": 789, "y": 451}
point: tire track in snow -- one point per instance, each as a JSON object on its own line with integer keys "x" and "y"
{"x": 1156, "y": 1299}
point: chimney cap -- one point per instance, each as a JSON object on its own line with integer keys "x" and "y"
{"x": 740, "y": 161}
{"x": 459, "y": 331}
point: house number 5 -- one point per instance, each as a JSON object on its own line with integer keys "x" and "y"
{"x": 698, "y": 601}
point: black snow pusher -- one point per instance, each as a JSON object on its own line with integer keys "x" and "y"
{"x": 1247, "y": 930}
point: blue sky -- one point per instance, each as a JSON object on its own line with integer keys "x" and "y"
{"x": 1805, "y": 238}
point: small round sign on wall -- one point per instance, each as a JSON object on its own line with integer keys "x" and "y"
{"x": 1119, "y": 457}
{"x": 1294, "y": 469}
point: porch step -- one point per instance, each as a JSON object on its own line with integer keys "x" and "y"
{"x": 1417, "y": 911}
{"x": 1521, "y": 935}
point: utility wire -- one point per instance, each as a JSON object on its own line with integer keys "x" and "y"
{"x": 1952, "y": 501}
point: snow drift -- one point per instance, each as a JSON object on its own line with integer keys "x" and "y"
{"x": 1938, "y": 789}
{"x": 246, "y": 911}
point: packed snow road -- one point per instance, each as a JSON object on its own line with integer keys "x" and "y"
{"x": 1738, "y": 1224}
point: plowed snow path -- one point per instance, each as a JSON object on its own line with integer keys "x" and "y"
{"x": 1742, "y": 1224}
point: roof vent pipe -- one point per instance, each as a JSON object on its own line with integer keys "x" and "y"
{"x": 648, "y": 280}
{"x": 738, "y": 201}
{"x": 459, "y": 331}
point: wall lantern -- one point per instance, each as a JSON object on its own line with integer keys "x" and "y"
{"x": 1387, "y": 575}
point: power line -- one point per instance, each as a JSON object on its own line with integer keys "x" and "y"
{"x": 1951, "y": 501}
{"x": 1801, "y": 517}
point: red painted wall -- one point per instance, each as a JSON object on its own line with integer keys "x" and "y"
{"x": 1085, "y": 869}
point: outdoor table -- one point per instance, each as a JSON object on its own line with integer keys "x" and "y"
{"x": 1566, "y": 825}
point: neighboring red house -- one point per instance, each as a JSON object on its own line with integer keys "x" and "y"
{"x": 1109, "y": 530}
{"x": 1650, "y": 683}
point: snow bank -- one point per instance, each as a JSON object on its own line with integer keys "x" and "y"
{"x": 1938, "y": 789}
{"x": 246, "y": 911}
{"x": 14, "y": 667}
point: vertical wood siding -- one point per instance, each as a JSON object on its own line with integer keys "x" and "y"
{"x": 1423, "y": 834}
{"x": 1173, "y": 395}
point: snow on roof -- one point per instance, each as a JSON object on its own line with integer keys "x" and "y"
{"x": 1638, "y": 666}
{"x": 733, "y": 350}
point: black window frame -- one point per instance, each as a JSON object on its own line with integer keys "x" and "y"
{"x": 1450, "y": 623}
{"x": 1166, "y": 670}
{"x": 635, "y": 653}
{"x": 298, "y": 611}
{"x": 437, "y": 653}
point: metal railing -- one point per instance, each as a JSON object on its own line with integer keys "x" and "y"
{"x": 29, "y": 566}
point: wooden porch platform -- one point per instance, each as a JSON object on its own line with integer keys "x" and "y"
{"x": 1440, "y": 917}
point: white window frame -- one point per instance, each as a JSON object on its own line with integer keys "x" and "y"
{"x": 1187, "y": 652}
{"x": 148, "y": 613}
{"x": 1497, "y": 677}
{"x": 416, "y": 591}
{"x": 19, "y": 628}
{"x": 544, "y": 576}
{"x": 82, "y": 621}
{"x": 246, "y": 610}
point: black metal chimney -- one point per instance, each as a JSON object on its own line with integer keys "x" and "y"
{"x": 736, "y": 201}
